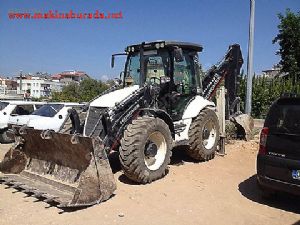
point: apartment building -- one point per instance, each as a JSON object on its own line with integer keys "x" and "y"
{"x": 70, "y": 76}
{"x": 39, "y": 86}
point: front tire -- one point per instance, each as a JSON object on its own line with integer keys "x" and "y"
{"x": 145, "y": 149}
{"x": 204, "y": 135}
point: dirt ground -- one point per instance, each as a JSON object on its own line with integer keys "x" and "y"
{"x": 221, "y": 191}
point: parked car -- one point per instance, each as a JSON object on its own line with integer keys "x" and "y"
{"x": 10, "y": 109}
{"x": 51, "y": 116}
{"x": 278, "y": 159}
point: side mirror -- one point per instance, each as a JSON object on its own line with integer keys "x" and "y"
{"x": 119, "y": 81}
{"x": 112, "y": 63}
{"x": 178, "y": 55}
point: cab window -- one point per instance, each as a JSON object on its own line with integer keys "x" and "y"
{"x": 184, "y": 75}
{"x": 132, "y": 76}
{"x": 156, "y": 66}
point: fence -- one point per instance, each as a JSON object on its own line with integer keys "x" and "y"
{"x": 10, "y": 94}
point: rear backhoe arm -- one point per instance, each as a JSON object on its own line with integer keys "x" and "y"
{"x": 228, "y": 69}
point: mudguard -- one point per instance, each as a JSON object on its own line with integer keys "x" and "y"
{"x": 195, "y": 106}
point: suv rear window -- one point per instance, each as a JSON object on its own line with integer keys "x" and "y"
{"x": 284, "y": 116}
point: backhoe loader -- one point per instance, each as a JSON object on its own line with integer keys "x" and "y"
{"x": 161, "y": 101}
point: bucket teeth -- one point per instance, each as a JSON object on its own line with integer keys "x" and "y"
{"x": 11, "y": 183}
{"x": 38, "y": 194}
{"x": 4, "y": 180}
{"x": 28, "y": 190}
{"x": 49, "y": 198}
{"x": 16, "y": 185}
{"x": 63, "y": 205}
{"x": 7, "y": 182}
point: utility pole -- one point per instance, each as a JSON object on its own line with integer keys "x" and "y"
{"x": 250, "y": 59}
{"x": 20, "y": 82}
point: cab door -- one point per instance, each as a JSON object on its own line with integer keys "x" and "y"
{"x": 184, "y": 84}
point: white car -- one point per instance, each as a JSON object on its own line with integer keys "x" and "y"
{"x": 10, "y": 109}
{"x": 51, "y": 116}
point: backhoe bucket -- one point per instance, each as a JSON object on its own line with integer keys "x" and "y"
{"x": 246, "y": 124}
{"x": 68, "y": 170}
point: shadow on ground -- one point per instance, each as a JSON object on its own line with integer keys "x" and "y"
{"x": 114, "y": 162}
{"x": 179, "y": 157}
{"x": 283, "y": 201}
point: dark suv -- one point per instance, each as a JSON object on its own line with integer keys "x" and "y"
{"x": 278, "y": 159}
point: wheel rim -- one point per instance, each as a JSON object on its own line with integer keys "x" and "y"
{"x": 209, "y": 134}
{"x": 155, "y": 150}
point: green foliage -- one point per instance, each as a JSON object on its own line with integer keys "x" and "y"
{"x": 288, "y": 39}
{"x": 265, "y": 91}
{"x": 36, "y": 99}
{"x": 230, "y": 130}
{"x": 82, "y": 92}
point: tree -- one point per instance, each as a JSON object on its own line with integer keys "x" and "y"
{"x": 288, "y": 39}
{"x": 85, "y": 91}
{"x": 90, "y": 88}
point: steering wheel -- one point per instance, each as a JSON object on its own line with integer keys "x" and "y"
{"x": 154, "y": 79}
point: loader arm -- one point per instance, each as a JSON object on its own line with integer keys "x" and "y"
{"x": 113, "y": 121}
{"x": 118, "y": 117}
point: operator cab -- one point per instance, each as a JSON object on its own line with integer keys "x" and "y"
{"x": 171, "y": 65}
{"x": 162, "y": 59}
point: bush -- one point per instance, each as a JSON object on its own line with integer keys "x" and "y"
{"x": 265, "y": 91}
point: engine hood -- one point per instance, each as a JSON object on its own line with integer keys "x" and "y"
{"x": 44, "y": 123}
{"x": 110, "y": 99}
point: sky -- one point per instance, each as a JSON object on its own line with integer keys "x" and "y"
{"x": 52, "y": 46}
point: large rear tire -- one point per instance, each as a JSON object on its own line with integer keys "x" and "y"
{"x": 145, "y": 149}
{"x": 204, "y": 136}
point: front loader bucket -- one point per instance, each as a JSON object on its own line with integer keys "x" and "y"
{"x": 71, "y": 171}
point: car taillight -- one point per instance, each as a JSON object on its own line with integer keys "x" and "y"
{"x": 263, "y": 141}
